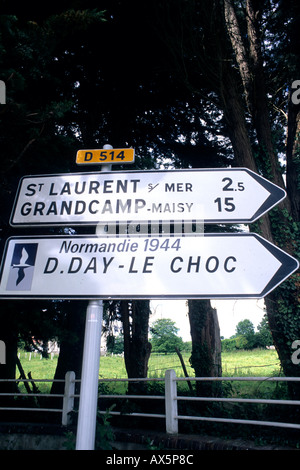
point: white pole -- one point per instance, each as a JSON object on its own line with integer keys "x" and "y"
{"x": 86, "y": 427}
{"x": 87, "y": 418}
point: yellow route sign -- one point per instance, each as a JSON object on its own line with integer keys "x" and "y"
{"x": 98, "y": 156}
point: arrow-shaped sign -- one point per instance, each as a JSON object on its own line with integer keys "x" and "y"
{"x": 231, "y": 195}
{"x": 211, "y": 266}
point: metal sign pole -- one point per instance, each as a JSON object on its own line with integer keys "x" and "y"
{"x": 87, "y": 418}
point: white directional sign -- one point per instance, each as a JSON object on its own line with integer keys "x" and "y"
{"x": 211, "y": 266}
{"x": 213, "y": 196}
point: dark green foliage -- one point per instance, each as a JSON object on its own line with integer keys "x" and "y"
{"x": 164, "y": 336}
{"x": 247, "y": 338}
{"x": 104, "y": 433}
{"x": 115, "y": 344}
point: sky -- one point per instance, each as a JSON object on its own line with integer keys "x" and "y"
{"x": 230, "y": 313}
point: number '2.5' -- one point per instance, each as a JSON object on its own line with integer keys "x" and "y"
{"x": 229, "y": 184}
{"x": 226, "y": 203}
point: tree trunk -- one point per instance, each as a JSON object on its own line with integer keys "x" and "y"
{"x": 260, "y": 108}
{"x": 206, "y": 345}
{"x": 283, "y": 304}
{"x": 238, "y": 131}
{"x": 279, "y": 225}
{"x": 137, "y": 349}
{"x": 293, "y": 158}
{"x": 235, "y": 36}
{"x": 71, "y": 344}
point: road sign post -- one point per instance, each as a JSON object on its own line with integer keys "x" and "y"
{"x": 87, "y": 416}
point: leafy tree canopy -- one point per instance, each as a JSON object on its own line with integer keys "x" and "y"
{"x": 245, "y": 328}
{"x": 164, "y": 336}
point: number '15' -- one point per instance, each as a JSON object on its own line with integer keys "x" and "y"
{"x": 225, "y": 204}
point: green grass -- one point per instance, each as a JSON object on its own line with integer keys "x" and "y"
{"x": 258, "y": 362}
{"x": 261, "y": 363}
{"x": 40, "y": 369}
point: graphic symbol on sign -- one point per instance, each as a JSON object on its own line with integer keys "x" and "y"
{"x": 22, "y": 266}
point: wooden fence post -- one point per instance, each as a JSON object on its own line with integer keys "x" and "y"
{"x": 68, "y": 401}
{"x": 2, "y": 352}
{"x": 171, "y": 402}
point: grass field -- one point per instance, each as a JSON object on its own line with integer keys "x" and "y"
{"x": 257, "y": 362}
{"x": 260, "y": 363}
